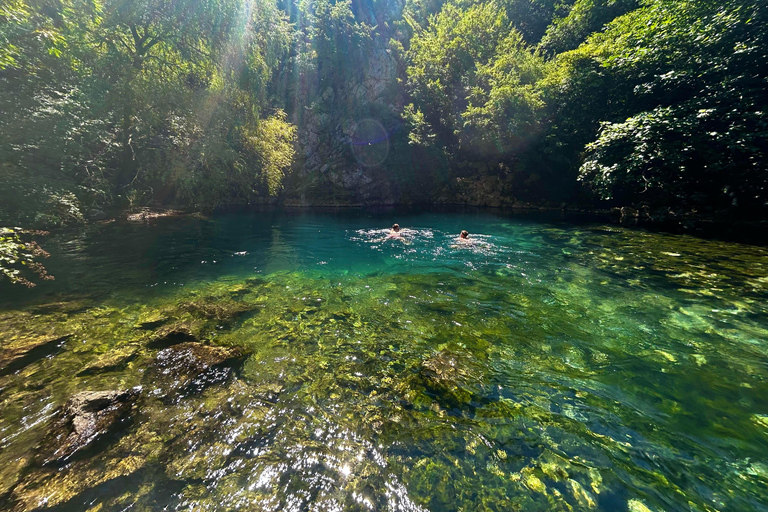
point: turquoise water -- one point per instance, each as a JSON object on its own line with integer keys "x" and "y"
{"x": 546, "y": 365}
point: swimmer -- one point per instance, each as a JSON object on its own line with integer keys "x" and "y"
{"x": 464, "y": 241}
{"x": 394, "y": 232}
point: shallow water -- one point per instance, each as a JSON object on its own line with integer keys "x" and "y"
{"x": 544, "y": 366}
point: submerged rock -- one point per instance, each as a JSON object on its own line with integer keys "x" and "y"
{"x": 83, "y": 418}
{"x": 191, "y": 366}
{"x": 216, "y": 308}
{"x": 113, "y": 360}
{"x": 68, "y": 307}
{"x": 448, "y": 368}
{"x": 451, "y": 377}
{"x": 174, "y": 334}
{"x": 24, "y": 352}
{"x": 197, "y": 354}
{"x": 11, "y": 473}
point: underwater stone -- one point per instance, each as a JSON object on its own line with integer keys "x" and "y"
{"x": 760, "y": 419}
{"x": 637, "y": 506}
{"x": 582, "y": 496}
{"x": 445, "y": 366}
{"x": 533, "y": 482}
{"x": 84, "y": 417}
{"x": 173, "y": 335}
{"x": 216, "y": 308}
{"x": 24, "y": 352}
{"x": 197, "y": 354}
{"x": 113, "y": 360}
{"x": 152, "y": 324}
{"x": 191, "y": 365}
{"x": 67, "y": 307}
{"x": 11, "y": 473}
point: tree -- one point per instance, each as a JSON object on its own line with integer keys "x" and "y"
{"x": 443, "y": 62}
{"x": 696, "y": 135}
{"x": 472, "y": 79}
{"x": 134, "y": 101}
{"x": 583, "y": 18}
{"x": 19, "y": 254}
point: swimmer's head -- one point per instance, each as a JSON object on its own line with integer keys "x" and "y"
{"x": 395, "y": 227}
{"x": 464, "y": 234}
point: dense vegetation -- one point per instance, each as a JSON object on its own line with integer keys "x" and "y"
{"x": 665, "y": 106}
{"x": 109, "y": 103}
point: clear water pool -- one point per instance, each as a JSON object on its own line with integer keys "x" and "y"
{"x": 546, "y": 365}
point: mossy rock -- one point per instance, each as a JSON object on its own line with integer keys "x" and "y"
{"x": 452, "y": 376}
{"x": 173, "y": 334}
{"x": 23, "y": 351}
{"x": 116, "y": 359}
{"x": 190, "y": 367}
{"x": 85, "y": 416}
{"x": 215, "y": 308}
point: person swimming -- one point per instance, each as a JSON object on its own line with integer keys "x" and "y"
{"x": 395, "y": 231}
{"x": 463, "y": 240}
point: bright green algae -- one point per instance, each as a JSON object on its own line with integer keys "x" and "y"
{"x": 624, "y": 371}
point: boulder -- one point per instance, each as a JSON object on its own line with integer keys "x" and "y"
{"x": 445, "y": 368}
{"x": 190, "y": 367}
{"x": 113, "y": 360}
{"x": 452, "y": 378}
{"x": 169, "y": 335}
{"x": 195, "y": 355}
{"x": 84, "y": 417}
{"x": 23, "y": 352}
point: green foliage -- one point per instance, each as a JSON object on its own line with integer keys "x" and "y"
{"x": 697, "y": 133}
{"x": 471, "y": 76}
{"x": 19, "y": 254}
{"x": 139, "y": 101}
{"x": 532, "y": 17}
{"x": 331, "y": 47}
{"x": 168, "y": 102}
{"x": 663, "y": 103}
{"x": 584, "y": 18}
{"x": 421, "y": 133}
{"x": 32, "y": 30}
{"x": 505, "y": 105}
{"x": 272, "y": 143}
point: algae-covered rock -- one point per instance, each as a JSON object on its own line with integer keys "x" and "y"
{"x": 452, "y": 375}
{"x": 111, "y": 361}
{"x": 215, "y": 308}
{"x": 191, "y": 355}
{"x": 11, "y": 473}
{"x": 179, "y": 332}
{"x": 637, "y": 506}
{"x": 68, "y": 307}
{"x": 191, "y": 366}
{"x": 26, "y": 350}
{"x": 82, "y": 419}
{"x": 445, "y": 367}
{"x": 79, "y": 486}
